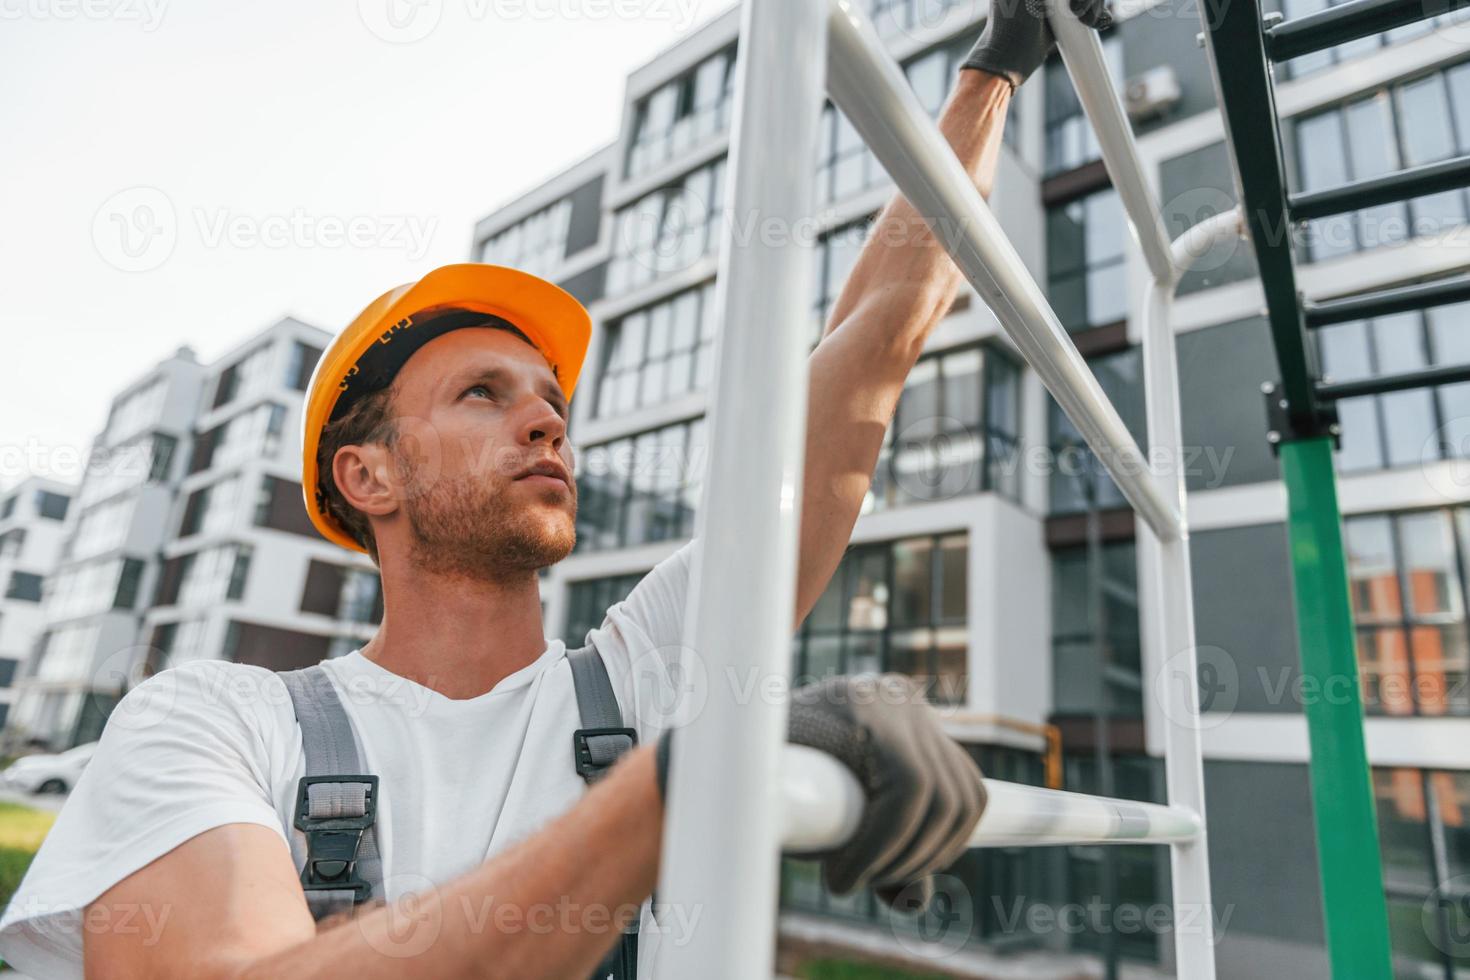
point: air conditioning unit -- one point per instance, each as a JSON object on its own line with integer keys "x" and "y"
{"x": 1152, "y": 94}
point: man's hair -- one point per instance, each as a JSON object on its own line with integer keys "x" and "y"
{"x": 370, "y": 419}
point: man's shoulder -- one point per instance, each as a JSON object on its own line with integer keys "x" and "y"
{"x": 204, "y": 688}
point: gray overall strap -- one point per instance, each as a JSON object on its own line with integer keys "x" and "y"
{"x": 595, "y": 747}
{"x": 336, "y": 802}
{"x": 602, "y": 739}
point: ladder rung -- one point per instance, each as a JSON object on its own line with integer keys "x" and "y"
{"x": 1348, "y": 22}
{"x": 1335, "y": 391}
{"x": 1385, "y": 302}
{"x": 1431, "y": 178}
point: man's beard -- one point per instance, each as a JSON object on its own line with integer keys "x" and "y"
{"x": 463, "y": 527}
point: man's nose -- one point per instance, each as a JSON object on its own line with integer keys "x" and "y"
{"x": 543, "y": 424}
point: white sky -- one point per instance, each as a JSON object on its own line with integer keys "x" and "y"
{"x": 267, "y": 116}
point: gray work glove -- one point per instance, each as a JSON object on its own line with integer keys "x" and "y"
{"x": 924, "y": 794}
{"x": 1016, "y": 39}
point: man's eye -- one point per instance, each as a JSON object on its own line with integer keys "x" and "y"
{"x": 476, "y": 391}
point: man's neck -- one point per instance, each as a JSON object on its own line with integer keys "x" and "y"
{"x": 456, "y": 635}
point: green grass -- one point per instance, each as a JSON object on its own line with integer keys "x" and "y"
{"x": 844, "y": 970}
{"x": 21, "y": 831}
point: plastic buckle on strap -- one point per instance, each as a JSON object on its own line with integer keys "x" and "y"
{"x": 593, "y": 759}
{"x": 332, "y": 843}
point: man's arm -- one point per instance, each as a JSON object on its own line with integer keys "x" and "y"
{"x": 228, "y": 905}
{"x": 901, "y": 287}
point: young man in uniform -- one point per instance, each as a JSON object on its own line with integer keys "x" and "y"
{"x": 435, "y": 440}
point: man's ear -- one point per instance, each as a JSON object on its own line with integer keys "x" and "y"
{"x": 366, "y": 477}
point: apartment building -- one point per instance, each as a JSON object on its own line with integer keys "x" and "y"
{"x": 32, "y": 527}
{"x": 189, "y": 539}
{"x": 970, "y": 566}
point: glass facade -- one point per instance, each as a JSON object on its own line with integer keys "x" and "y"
{"x": 1075, "y": 471}
{"x": 1424, "y": 837}
{"x": 1070, "y": 142}
{"x": 1086, "y": 278}
{"x": 956, "y": 431}
{"x": 536, "y": 244}
{"x": 1401, "y": 428}
{"x": 1408, "y": 124}
{"x": 640, "y": 488}
{"x": 1407, "y": 577}
{"x": 681, "y": 114}
{"x": 589, "y": 600}
{"x": 658, "y": 353}
{"x": 1079, "y": 687}
{"x": 894, "y": 606}
{"x": 669, "y": 229}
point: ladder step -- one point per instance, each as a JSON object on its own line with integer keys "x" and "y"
{"x": 1430, "y": 178}
{"x": 1348, "y": 22}
{"x": 1385, "y": 302}
{"x": 1450, "y": 374}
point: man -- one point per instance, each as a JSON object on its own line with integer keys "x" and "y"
{"x": 435, "y": 440}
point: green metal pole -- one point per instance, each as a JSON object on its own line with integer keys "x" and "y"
{"x": 1342, "y": 790}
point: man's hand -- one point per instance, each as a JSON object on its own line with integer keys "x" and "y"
{"x": 1017, "y": 39}
{"x": 924, "y": 794}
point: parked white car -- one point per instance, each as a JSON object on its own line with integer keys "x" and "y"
{"x": 45, "y": 773}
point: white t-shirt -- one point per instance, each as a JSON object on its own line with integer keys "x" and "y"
{"x": 213, "y": 743}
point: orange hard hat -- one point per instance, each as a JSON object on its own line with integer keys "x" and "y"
{"x": 367, "y": 355}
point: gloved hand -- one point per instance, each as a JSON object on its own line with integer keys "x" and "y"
{"x": 924, "y": 794}
{"x": 1017, "y": 39}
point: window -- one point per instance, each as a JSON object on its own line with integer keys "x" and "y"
{"x": 658, "y": 353}
{"x": 895, "y": 606}
{"x": 67, "y": 654}
{"x": 536, "y": 244}
{"x": 1086, "y": 278}
{"x": 1421, "y": 121}
{"x": 955, "y": 431}
{"x": 245, "y": 378}
{"x": 12, "y": 543}
{"x": 209, "y": 576}
{"x": 24, "y": 586}
{"x": 1424, "y": 842}
{"x": 845, "y": 164}
{"x": 279, "y": 506}
{"x": 835, "y": 255}
{"x": 211, "y": 509}
{"x": 1070, "y": 142}
{"x": 103, "y": 528}
{"x": 588, "y": 602}
{"x": 1401, "y": 428}
{"x": 7, "y": 508}
{"x": 682, "y": 113}
{"x": 128, "y": 578}
{"x": 1406, "y": 575}
{"x": 1297, "y": 67}
{"x": 361, "y": 600}
{"x": 1076, "y": 474}
{"x": 135, "y": 412}
{"x": 8, "y": 668}
{"x": 254, "y": 434}
{"x": 641, "y": 488}
{"x": 302, "y": 363}
{"x": 51, "y": 506}
{"x": 1079, "y": 687}
{"x": 669, "y": 229}
{"x": 112, "y": 471}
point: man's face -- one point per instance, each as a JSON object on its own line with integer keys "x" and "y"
{"x": 474, "y": 411}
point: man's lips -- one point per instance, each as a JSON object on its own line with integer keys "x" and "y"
{"x": 541, "y": 479}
